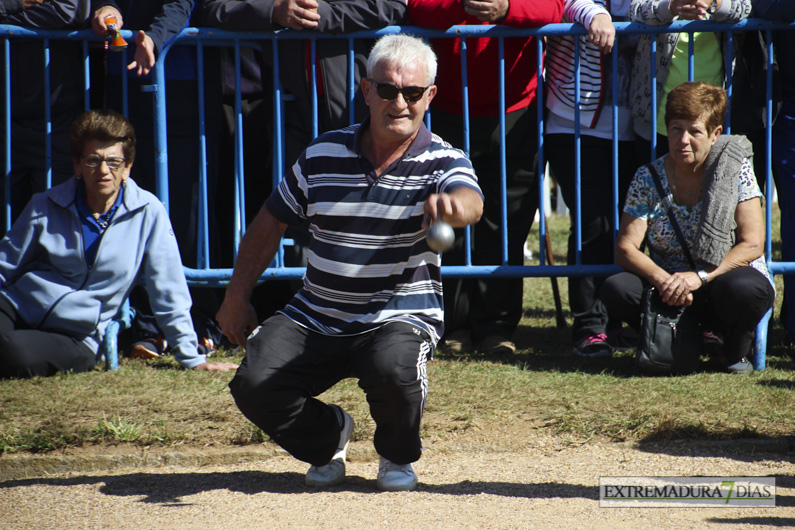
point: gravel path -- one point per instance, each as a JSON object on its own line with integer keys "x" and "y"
{"x": 546, "y": 483}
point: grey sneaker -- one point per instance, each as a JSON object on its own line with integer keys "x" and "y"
{"x": 395, "y": 477}
{"x": 332, "y": 473}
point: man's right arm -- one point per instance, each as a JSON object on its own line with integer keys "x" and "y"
{"x": 236, "y": 316}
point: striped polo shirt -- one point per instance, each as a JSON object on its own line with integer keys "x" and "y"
{"x": 368, "y": 261}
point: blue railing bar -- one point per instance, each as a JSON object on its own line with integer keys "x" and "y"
{"x": 47, "y": 117}
{"x": 239, "y": 187}
{"x": 614, "y": 146}
{"x": 729, "y": 74}
{"x": 125, "y": 87}
{"x": 278, "y": 133}
{"x": 203, "y": 244}
{"x": 222, "y": 276}
{"x": 691, "y": 56}
{"x": 352, "y": 88}
{"x": 161, "y": 137}
{"x": 769, "y": 147}
{"x": 466, "y": 132}
{"x": 86, "y": 78}
{"x": 577, "y": 206}
{"x": 7, "y": 129}
{"x": 653, "y": 105}
{"x": 503, "y": 173}
{"x": 542, "y": 183}
{"x": 782, "y": 267}
{"x": 313, "y": 84}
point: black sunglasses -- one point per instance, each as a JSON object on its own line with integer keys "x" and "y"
{"x": 389, "y": 91}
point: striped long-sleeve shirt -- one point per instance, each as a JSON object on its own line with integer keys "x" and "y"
{"x": 368, "y": 260}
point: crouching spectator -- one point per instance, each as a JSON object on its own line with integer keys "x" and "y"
{"x": 709, "y": 185}
{"x": 72, "y": 257}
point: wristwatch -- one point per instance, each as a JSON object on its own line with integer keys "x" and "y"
{"x": 702, "y": 275}
{"x": 713, "y": 8}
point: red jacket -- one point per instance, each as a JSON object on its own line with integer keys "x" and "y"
{"x": 482, "y": 55}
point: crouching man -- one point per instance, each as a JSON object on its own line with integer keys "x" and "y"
{"x": 371, "y": 303}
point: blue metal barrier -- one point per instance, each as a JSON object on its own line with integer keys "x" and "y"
{"x": 199, "y": 38}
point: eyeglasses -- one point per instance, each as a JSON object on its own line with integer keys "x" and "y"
{"x": 389, "y": 91}
{"x": 113, "y": 162}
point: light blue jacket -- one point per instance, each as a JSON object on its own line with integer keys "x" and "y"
{"x": 44, "y": 274}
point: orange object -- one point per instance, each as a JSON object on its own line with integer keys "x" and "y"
{"x": 117, "y": 43}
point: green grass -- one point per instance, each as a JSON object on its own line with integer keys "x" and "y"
{"x": 542, "y": 388}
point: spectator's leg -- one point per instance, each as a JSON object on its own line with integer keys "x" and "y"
{"x": 391, "y": 371}
{"x": 784, "y": 174}
{"x": 285, "y": 366}
{"x": 622, "y": 294}
{"x": 736, "y": 301}
{"x": 496, "y": 304}
{"x": 31, "y": 353}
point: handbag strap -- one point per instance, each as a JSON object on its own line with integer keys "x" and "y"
{"x": 669, "y": 209}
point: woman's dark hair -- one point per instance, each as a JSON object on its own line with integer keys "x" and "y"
{"x": 102, "y": 125}
{"x": 692, "y": 100}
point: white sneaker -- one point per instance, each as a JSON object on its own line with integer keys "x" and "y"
{"x": 395, "y": 477}
{"x": 332, "y": 473}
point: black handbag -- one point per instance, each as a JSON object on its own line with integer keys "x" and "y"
{"x": 670, "y": 337}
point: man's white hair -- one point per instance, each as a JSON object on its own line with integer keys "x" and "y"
{"x": 400, "y": 51}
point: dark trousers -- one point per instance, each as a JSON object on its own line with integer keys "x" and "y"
{"x": 596, "y": 214}
{"x": 733, "y": 304}
{"x": 489, "y": 307}
{"x": 26, "y": 352}
{"x": 287, "y": 366}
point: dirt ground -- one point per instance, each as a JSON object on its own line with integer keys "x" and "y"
{"x": 465, "y": 482}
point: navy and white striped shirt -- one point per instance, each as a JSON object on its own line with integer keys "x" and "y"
{"x": 368, "y": 261}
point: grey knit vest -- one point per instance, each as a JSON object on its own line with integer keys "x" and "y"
{"x": 715, "y": 233}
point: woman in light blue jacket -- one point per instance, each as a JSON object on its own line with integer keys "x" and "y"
{"x": 76, "y": 251}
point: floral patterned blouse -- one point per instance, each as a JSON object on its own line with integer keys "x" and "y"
{"x": 643, "y": 202}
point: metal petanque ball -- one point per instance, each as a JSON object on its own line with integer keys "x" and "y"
{"x": 440, "y": 236}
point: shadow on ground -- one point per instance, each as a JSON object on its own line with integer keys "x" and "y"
{"x": 170, "y": 489}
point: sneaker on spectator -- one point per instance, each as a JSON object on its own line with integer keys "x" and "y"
{"x": 333, "y": 473}
{"x": 395, "y": 477}
{"x": 149, "y": 348}
{"x": 593, "y": 346}
{"x": 621, "y": 339}
{"x": 207, "y": 346}
{"x": 496, "y": 345}
{"x": 740, "y": 367}
{"x": 457, "y": 342}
